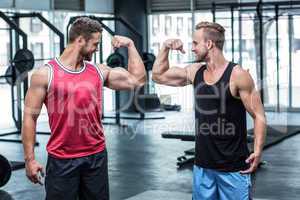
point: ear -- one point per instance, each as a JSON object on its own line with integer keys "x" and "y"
{"x": 81, "y": 40}
{"x": 210, "y": 44}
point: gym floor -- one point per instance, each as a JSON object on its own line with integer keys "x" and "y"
{"x": 142, "y": 165}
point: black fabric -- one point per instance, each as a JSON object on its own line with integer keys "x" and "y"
{"x": 84, "y": 178}
{"x": 221, "y": 132}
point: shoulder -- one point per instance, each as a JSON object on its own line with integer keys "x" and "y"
{"x": 41, "y": 71}
{"x": 192, "y": 70}
{"x": 242, "y": 78}
{"x": 40, "y": 75}
{"x": 195, "y": 66}
{"x": 104, "y": 70}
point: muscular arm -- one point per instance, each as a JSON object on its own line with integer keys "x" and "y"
{"x": 252, "y": 102}
{"x": 174, "y": 76}
{"x": 136, "y": 67}
{"x": 33, "y": 104}
{"x": 120, "y": 78}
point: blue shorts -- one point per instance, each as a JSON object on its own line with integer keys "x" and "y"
{"x": 214, "y": 185}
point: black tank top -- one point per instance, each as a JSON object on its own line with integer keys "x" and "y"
{"x": 221, "y": 132}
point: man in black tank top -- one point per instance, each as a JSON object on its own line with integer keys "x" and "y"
{"x": 224, "y": 92}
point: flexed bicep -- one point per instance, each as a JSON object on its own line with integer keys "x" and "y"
{"x": 177, "y": 76}
{"x": 119, "y": 78}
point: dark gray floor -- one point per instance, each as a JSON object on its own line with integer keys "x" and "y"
{"x": 142, "y": 164}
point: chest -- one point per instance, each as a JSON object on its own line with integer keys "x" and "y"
{"x": 84, "y": 87}
{"x": 217, "y": 83}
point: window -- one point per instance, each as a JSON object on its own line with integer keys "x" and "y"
{"x": 155, "y": 48}
{"x": 179, "y": 25}
{"x": 36, "y": 25}
{"x": 168, "y": 25}
{"x": 190, "y": 24}
{"x": 56, "y": 48}
{"x": 155, "y": 25}
{"x": 38, "y": 52}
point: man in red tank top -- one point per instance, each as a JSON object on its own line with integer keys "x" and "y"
{"x": 71, "y": 89}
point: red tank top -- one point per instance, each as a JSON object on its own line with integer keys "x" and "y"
{"x": 74, "y": 106}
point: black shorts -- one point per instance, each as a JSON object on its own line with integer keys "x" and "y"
{"x": 84, "y": 178}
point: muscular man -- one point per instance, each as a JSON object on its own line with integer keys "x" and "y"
{"x": 71, "y": 89}
{"x": 223, "y": 93}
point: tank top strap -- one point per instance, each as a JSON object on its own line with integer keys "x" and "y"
{"x": 199, "y": 77}
{"x": 226, "y": 76}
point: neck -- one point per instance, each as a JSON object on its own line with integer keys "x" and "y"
{"x": 216, "y": 61}
{"x": 71, "y": 58}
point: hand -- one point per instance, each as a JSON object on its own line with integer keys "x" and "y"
{"x": 254, "y": 160}
{"x": 120, "y": 41}
{"x": 174, "y": 44}
{"x": 33, "y": 168}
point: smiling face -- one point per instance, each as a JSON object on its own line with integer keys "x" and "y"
{"x": 85, "y": 34}
{"x": 200, "y": 46}
{"x": 90, "y": 46}
{"x": 207, "y": 37}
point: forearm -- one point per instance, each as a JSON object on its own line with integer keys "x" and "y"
{"x": 161, "y": 64}
{"x": 28, "y": 138}
{"x": 259, "y": 134}
{"x": 135, "y": 64}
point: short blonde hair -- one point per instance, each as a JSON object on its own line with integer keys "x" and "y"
{"x": 213, "y": 31}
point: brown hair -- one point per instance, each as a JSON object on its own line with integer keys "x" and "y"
{"x": 85, "y": 27}
{"x": 213, "y": 31}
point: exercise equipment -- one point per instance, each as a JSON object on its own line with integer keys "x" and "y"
{"x": 22, "y": 63}
{"x": 148, "y": 59}
{"x": 115, "y": 60}
{"x": 5, "y": 170}
{"x": 23, "y": 60}
{"x": 16, "y": 90}
{"x": 9, "y": 75}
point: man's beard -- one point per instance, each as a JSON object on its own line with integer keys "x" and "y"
{"x": 202, "y": 57}
{"x": 86, "y": 56}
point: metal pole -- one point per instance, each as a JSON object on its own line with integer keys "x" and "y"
{"x": 277, "y": 57}
{"x": 213, "y": 10}
{"x": 240, "y": 39}
{"x": 261, "y": 49}
{"x": 18, "y": 102}
{"x": 117, "y": 101}
{"x": 232, "y": 34}
{"x": 291, "y": 36}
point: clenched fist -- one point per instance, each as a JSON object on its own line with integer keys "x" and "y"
{"x": 174, "y": 44}
{"x": 121, "y": 41}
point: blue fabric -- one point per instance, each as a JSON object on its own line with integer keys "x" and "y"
{"x": 210, "y": 184}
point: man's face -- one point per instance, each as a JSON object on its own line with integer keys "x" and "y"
{"x": 199, "y": 46}
{"x": 91, "y": 46}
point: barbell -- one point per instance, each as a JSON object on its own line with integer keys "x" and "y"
{"x": 23, "y": 62}
{"x": 148, "y": 59}
{"x": 115, "y": 60}
{"x": 5, "y": 170}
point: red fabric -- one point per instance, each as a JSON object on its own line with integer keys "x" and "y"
{"x": 74, "y": 105}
